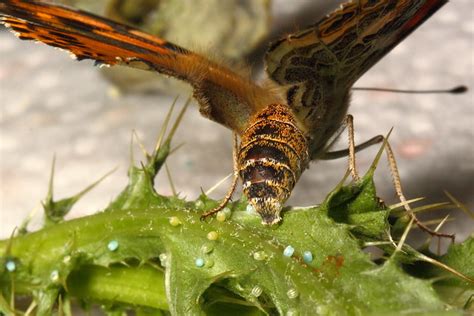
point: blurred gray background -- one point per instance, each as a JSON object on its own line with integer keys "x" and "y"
{"x": 51, "y": 104}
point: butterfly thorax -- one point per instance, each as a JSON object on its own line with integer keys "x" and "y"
{"x": 273, "y": 153}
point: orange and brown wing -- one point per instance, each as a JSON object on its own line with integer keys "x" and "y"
{"x": 319, "y": 64}
{"x": 224, "y": 96}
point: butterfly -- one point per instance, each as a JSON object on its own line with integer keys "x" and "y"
{"x": 284, "y": 123}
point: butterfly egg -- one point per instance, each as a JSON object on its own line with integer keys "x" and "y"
{"x": 174, "y": 221}
{"x": 307, "y": 256}
{"x": 113, "y": 245}
{"x": 256, "y": 291}
{"x": 199, "y": 262}
{"x": 260, "y": 255}
{"x": 212, "y": 235}
{"x": 221, "y": 217}
{"x": 288, "y": 251}
{"x": 10, "y": 265}
{"x": 54, "y": 276}
{"x": 67, "y": 259}
{"x": 292, "y": 293}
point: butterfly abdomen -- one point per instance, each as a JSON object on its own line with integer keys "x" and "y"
{"x": 273, "y": 153}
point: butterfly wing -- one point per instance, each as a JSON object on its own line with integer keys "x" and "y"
{"x": 318, "y": 65}
{"x": 224, "y": 96}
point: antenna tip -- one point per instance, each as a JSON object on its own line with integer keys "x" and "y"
{"x": 458, "y": 89}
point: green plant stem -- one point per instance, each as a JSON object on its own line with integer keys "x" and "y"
{"x": 243, "y": 256}
{"x": 77, "y": 250}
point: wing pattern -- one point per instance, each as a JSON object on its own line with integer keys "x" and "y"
{"x": 319, "y": 64}
{"x": 224, "y": 95}
{"x": 315, "y": 68}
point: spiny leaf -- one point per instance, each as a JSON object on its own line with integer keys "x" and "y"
{"x": 312, "y": 263}
{"x": 56, "y": 210}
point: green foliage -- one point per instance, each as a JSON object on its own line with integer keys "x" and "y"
{"x": 153, "y": 254}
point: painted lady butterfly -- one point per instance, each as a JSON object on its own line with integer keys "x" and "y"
{"x": 284, "y": 124}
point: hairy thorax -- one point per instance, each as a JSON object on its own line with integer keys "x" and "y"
{"x": 273, "y": 153}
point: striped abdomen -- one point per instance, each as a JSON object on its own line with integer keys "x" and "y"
{"x": 273, "y": 153}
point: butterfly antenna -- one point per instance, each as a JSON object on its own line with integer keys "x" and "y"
{"x": 455, "y": 90}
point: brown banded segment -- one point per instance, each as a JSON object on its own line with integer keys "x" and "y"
{"x": 275, "y": 131}
{"x": 273, "y": 134}
{"x": 273, "y": 153}
{"x": 276, "y": 151}
{"x": 263, "y": 150}
{"x": 268, "y": 191}
{"x": 263, "y": 170}
{"x": 276, "y": 123}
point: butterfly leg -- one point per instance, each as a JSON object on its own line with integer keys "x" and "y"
{"x": 331, "y": 155}
{"x": 349, "y": 124}
{"x": 352, "y": 157}
{"x": 393, "y": 169}
{"x": 398, "y": 188}
{"x": 349, "y": 152}
{"x": 235, "y": 178}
